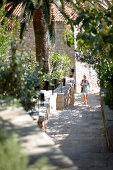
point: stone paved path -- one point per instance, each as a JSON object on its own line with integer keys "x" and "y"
{"x": 79, "y": 132}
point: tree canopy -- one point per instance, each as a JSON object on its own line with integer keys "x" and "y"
{"x": 95, "y": 21}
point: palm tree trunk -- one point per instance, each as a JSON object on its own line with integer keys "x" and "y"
{"x": 40, "y": 30}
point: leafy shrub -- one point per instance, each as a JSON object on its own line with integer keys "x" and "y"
{"x": 19, "y": 72}
{"x": 59, "y": 63}
{"x": 105, "y": 75}
{"x": 19, "y": 77}
{"x": 59, "y": 67}
{"x": 12, "y": 158}
{"x": 68, "y": 36}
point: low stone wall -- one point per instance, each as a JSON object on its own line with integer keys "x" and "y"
{"x": 108, "y": 122}
{"x": 65, "y": 98}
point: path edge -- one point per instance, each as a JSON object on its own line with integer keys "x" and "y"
{"x": 107, "y": 134}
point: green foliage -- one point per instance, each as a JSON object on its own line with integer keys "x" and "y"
{"x": 105, "y": 74}
{"x": 6, "y": 31}
{"x": 41, "y": 164}
{"x": 68, "y": 37}
{"x": 9, "y": 101}
{"x": 12, "y": 157}
{"x": 19, "y": 77}
{"x": 95, "y": 37}
{"x": 59, "y": 67}
{"x": 96, "y": 29}
{"x": 59, "y": 64}
{"x": 18, "y": 70}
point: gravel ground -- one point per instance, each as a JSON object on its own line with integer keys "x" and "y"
{"x": 79, "y": 132}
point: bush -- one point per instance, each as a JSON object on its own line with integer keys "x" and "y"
{"x": 19, "y": 72}
{"x": 59, "y": 64}
{"x": 105, "y": 75}
{"x": 59, "y": 67}
{"x": 12, "y": 158}
{"x": 19, "y": 77}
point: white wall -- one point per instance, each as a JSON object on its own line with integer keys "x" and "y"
{"x": 84, "y": 68}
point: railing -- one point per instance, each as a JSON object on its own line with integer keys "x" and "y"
{"x": 63, "y": 96}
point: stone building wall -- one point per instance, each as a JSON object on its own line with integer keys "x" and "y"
{"x": 66, "y": 97}
{"x": 29, "y": 38}
{"x": 59, "y": 43}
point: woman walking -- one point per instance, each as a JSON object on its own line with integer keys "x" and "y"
{"x": 84, "y": 88}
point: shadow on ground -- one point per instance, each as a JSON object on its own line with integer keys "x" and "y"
{"x": 35, "y": 143}
{"x": 79, "y": 132}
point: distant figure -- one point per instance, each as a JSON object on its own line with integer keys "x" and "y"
{"x": 84, "y": 88}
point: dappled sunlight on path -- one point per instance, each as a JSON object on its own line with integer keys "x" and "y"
{"x": 79, "y": 132}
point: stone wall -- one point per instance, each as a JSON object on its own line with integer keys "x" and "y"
{"x": 59, "y": 43}
{"x": 69, "y": 96}
{"x": 29, "y": 38}
{"x": 66, "y": 97}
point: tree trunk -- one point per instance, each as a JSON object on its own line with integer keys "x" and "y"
{"x": 40, "y": 30}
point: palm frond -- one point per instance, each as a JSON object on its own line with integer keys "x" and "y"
{"x": 46, "y": 7}
{"x": 35, "y": 3}
{"x": 51, "y": 32}
{"x": 46, "y": 10}
{"x": 63, "y": 4}
{"x": 27, "y": 10}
